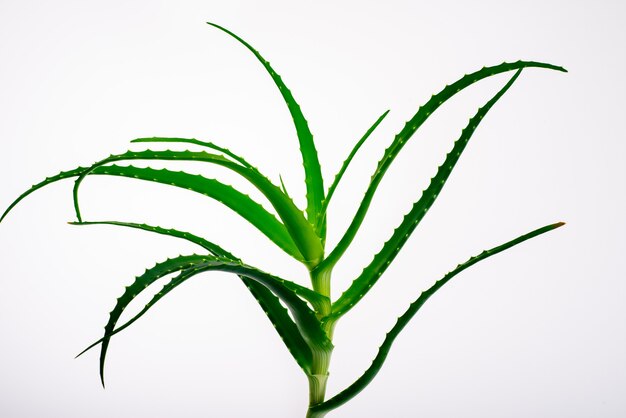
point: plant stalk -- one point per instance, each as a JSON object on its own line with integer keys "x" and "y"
{"x": 321, "y": 358}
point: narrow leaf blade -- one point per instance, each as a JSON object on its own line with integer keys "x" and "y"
{"x": 206, "y": 244}
{"x": 401, "y": 234}
{"x": 308, "y": 325}
{"x": 49, "y": 180}
{"x": 346, "y": 163}
{"x": 407, "y": 132}
{"x": 404, "y": 319}
{"x": 284, "y": 325}
{"x": 299, "y": 229}
{"x": 194, "y": 141}
{"x": 139, "y": 285}
{"x": 276, "y": 313}
{"x": 247, "y": 208}
{"x": 312, "y": 170}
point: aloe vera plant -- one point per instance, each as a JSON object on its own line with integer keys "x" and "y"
{"x": 304, "y": 317}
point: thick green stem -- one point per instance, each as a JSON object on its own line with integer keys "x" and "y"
{"x": 317, "y": 388}
{"x": 312, "y": 414}
{"x": 321, "y": 357}
{"x": 321, "y": 281}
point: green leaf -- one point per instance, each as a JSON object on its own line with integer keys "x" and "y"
{"x": 247, "y": 208}
{"x": 383, "y": 259}
{"x": 312, "y": 170}
{"x": 210, "y": 145}
{"x": 406, "y": 133}
{"x": 284, "y": 325}
{"x": 141, "y": 283}
{"x": 302, "y": 233}
{"x": 346, "y": 163}
{"x": 404, "y": 319}
{"x": 308, "y": 325}
{"x": 208, "y": 245}
{"x": 277, "y": 314}
{"x": 49, "y": 180}
{"x": 288, "y": 292}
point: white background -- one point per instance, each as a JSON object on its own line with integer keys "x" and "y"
{"x": 535, "y": 332}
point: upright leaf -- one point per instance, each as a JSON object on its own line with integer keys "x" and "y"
{"x": 406, "y": 133}
{"x": 404, "y": 319}
{"x": 383, "y": 259}
{"x": 312, "y": 170}
{"x": 346, "y": 163}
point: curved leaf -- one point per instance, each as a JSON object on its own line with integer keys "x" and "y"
{"x": 312, "y": 170}
{"x": 407, "y": 132}
{"x": 210, "y": 145}
{"x": 284, "y": 325}
{"x": 392, "y": 247}
{"x": 308, "y": 325}
{"x": 404, "y": 319}
{"x": 277, "y": 314}
{"x": 250, "y": 210}
{"x": 208, "y": 245}
{"x": 49, "y": 180}
{"x": 346, "y": 163}
{"x": 302, "y": 233}
{"x": 141, "y": 283}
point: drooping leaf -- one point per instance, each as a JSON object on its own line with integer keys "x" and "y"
{"x": 383, "y": 259}
{"x": 312, "y": 170}
{"x": 288, "y": 292}
{"x": 207, "y": 144}
{"x": 404, "y": 319}
{"x": 284, "y": 325}
{"x": 300, "y": 230}
{"x": 141, "y": 283}
{"x": 206, "y": 244}
{"x": 305, "y": 319}
{"x": 407, "y": 132}
{"x": 274, "y": 310}
{"x": 277, "y": 314}
{"x": 250, "y": 210}
{"x": 346, "y": 163}
{"x": 49, "y": 180}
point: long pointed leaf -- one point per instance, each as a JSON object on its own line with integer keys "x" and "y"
{"x": 407, "y": 132}
{"x": 404, "y": 319}
{"x": 301, "y": 231}
{"x": 141, "y": 283}
{"x": 206, "y": 244}
{"x": 288, "y": 292}
{"x": 308, "y": 325}
{"x": 49, "y": 180}
{"x": 346, "y": 163}
{"x": 284, "y": 325}
{"x": 276, "y": 313}
{"x": 207, "y": 144}
{"x": 250, "y": 210}
{"x": 312, "y": 170}
{"x": 382, "y": 260}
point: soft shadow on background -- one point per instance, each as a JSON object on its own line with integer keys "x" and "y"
{"x": 536, "y": 331}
